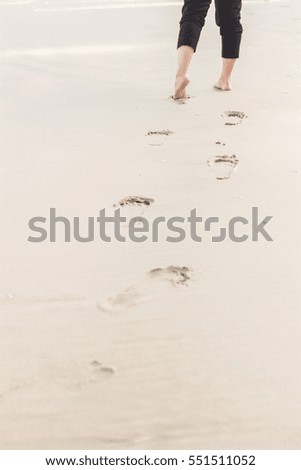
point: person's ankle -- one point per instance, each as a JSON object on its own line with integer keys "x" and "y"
{"x": 224, "y": 79}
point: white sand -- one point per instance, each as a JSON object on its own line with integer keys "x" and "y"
{"x": 214, "y": 364}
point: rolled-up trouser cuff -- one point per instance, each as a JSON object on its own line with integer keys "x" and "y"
{"x": 231, "y": 45}
{"x": 189, "y": 35}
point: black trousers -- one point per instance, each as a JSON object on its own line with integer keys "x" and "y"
{"x": 227, "y": 15}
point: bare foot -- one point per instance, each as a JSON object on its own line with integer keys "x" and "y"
{"x": 223, "y": 85}
{"x": 180, "y": 88}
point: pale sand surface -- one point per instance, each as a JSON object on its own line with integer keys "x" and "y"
{"x": 214, "y": 364}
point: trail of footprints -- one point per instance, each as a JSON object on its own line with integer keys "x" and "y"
{"x": 223, "y": 166}
{"x": 173, "y": 276}
{"x": 156, "y": 282}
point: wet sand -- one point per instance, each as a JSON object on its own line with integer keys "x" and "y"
{"x": 150, "y": 345}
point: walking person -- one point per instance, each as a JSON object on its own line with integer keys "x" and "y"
{"x": 194, "y": 12}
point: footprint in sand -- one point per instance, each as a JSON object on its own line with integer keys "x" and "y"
{"x": 149, "y": 288}
{"x": 234, "y": 117}
{"x": 177, "y": 275}
{"x": 11, "y": 389}
{"x": 223, "y": 166}
{"x": 134, "y": 207}
{"x": 222, "y": 144}
{"x": 181, "y": 100}
{"x": 76, "y": 378}
{"x": 158, "y": 137}
{"x": 6, "y": 297}
{"x": 98, "y": 371}
{"x": 135, "y": 201}
{"x": 130, "y": 297}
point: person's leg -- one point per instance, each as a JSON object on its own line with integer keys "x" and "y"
{"x": 185, "y": 54}
{"x": 223, "y": 82}
{"x": 194, "y": 13}
{"x": 228, "y": 19}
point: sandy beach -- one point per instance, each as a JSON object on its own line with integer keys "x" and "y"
{"x": 98, "y": 351}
